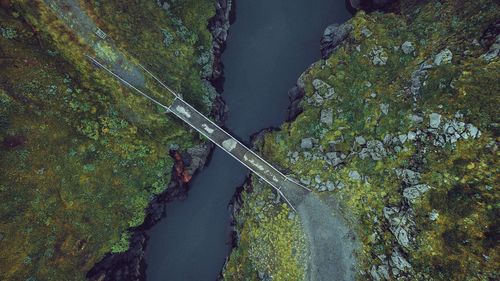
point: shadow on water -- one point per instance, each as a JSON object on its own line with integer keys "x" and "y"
{"x": 270, "y": 44}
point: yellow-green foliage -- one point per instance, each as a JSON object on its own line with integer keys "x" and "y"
{"x": 462, "y": 244}
{"x": 80, "y": 156}
{"x": 271, "y": 241}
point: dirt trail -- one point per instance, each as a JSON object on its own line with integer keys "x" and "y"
{"x": 331, "y": 243}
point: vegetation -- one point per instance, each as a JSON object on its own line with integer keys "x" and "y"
{"x": 391, "y": 96}
{"x": 80, "y": 155}
{"x": 271, "y": 242}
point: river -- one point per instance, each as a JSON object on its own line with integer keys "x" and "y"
{"x": 269, "y": 45}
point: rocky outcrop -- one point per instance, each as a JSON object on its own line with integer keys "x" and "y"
{"x": 131, "y": 265}
{"x": 332, "y": 37}
{"x": 219, "y": 27}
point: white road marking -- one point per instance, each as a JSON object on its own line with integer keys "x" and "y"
{"x": 206, "y": 128}
{"x": 229, "y": 144}
{"x": 183, "y": 111}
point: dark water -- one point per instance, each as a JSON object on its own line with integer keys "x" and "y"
{"x": 271, "y": 43}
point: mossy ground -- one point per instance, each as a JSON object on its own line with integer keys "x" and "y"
{"x": 462, "y": 243}
{"x": 81, "y": 156}
{"x": 271, "y": 242}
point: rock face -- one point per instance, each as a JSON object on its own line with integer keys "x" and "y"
{"x": 130, "y": 265}
{"x": 219, "y": 26}
{"x": 333, "y": 36}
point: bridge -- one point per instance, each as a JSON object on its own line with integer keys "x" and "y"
{"x": 138, "y": 78}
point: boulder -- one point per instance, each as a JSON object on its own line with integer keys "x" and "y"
{"x": 434, "y": 120}
{"x": 433, "y": 215}
{"x": 306, "y": 143}
{"x": 379, "y": 56}
{"x": 399, "y": 261}
{"x": 407, "y": 48}
{"x": 443, "y": 57}
{"x": 327, "y": 116}
{"x": 354, "y": 175}
{"x": 376, "y": 149}
{"x": 414, "y": 192}
{"x": 360, "y": 140}
{"x": 384, "y": 108}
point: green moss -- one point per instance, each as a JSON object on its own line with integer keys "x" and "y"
{"x": 271, "y": 242}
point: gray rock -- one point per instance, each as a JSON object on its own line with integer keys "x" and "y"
{"x": 360, "y": 140}
{"x": 473, "y": 131}
{"x": 403, "y": 138}
{"x": 306, "y": 143}
{"x": 333, "y": 158}
{"x": 433, "y": 215}
{"x": 445, "y": 56}
{"x": 399, "y": 261}
{"x": 417, "y": 78}
{"x": 402, "y": 236}
{"x": 168, "y": 38}
{"x": 409, "y": 177}
{"x": 379, "y": 56}
{"x": 400, "y": 224}
{"x": 317, "y": 179}
{"x": 364, "y": 153}
{"x": 414, "y": 192}
{"x": 389, "y": 212}
{"x": 412, "y": 135}
{"x": 434, "y": 120}
{"x": 305, "y": 181}
{"x": 380, "y": 272}
{"x": 416, "y": 118}
{"x": 376, "y": 149}
{"x": 407, "y": 48}
{"x": 366, "y": 32}
{"x": 339, "y": 185}
{"x": 411, "y": 193}
{"x": 318, "y": 99}
{"x": 333, "y": 36}
{"x": 354, "y": 175}
{"x": 384, "y": 108}
{"x": 318, "y": 84}
{"x": 330, "y": 93}
{"x": 327, "y": 116}
{"x": 388, "y": 139}
{"x": 493, "y": 51}
{"x": 307, "y": 155}
{"x": 330, "y": 186}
